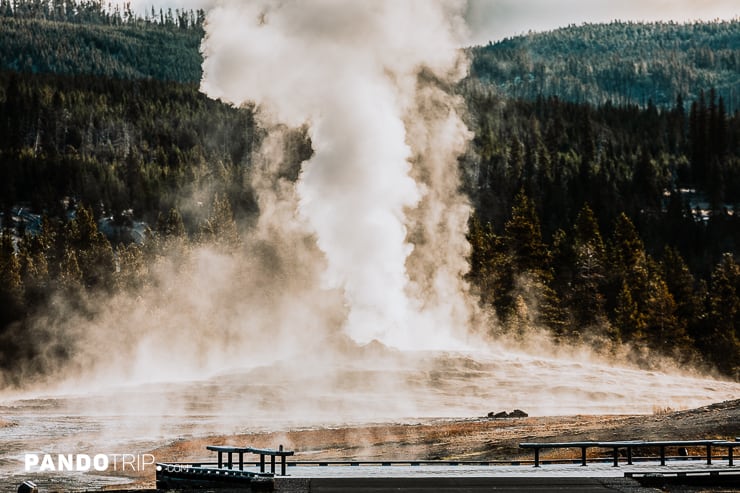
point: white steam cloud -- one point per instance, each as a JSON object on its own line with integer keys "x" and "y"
{"x": 368, "y": 243}
{"x": 365, "y": 77}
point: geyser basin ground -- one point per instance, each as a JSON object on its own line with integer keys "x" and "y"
{"x": 265, "y": 406}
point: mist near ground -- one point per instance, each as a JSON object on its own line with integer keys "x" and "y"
{"x": 345, "y": 300}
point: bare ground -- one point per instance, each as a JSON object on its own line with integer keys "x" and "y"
{"x": 470, "y": 439}
{"x": 474, "y": 439}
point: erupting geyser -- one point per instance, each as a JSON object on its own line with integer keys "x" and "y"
{"x": 369, "y": 243}
{"x": 365, "y": 77}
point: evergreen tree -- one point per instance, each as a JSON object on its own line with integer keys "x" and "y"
{"x": 171, "y": 225}
{"x": 132, "y": 268}
{"x": 665, "y": 332}
{"x": 169, "y": 240}
{"x": 11, "y": 286}
{"x": 590, "y": 271}
{"x": 70, "y": 274}
{"x": 629, "y": 270}
{"x": 220, "y": 229}
{"x": 93, "y": 252}
{"x": 628, "y": 257}
{"x": 681, "y": 285}
{"x": 722, "y": 336}
{"x": 529, "y": 261}
{"x": 628, "y": 321}
{"x": 33, "y": 262}
{"x": 523, "y": 238}
{"x": 482, "y": 242}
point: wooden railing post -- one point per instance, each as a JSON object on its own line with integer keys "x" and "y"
{"x": 729, "y": 455}
{"x": 709, "y": 454}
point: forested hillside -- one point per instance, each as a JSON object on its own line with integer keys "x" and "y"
{"x": 625, "y": 63}
{"x": 597, "y": 218}
{"x": 618, "y": 221}
{"x": 117, "y": 144}
{"x": 67, "y": 37}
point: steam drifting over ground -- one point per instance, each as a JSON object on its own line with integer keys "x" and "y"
{"x": 368, "y": 245}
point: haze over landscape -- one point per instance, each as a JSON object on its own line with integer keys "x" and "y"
{"x": 493, "y": 20}
{"x": 339, "y": 204}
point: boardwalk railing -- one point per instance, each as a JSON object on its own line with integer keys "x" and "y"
{"x": 633, "y": 444}
{"x": 198, "y": 476}
{"x": 272, "y": 453}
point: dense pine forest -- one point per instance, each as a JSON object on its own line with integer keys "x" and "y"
{"x": 603, "y": 214}
{"x": 621, "y": 62}
{"x": 88, "y": 37}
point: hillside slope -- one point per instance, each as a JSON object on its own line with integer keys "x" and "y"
{"x": 626, "y": 63}
{"x": 101, "y": 45}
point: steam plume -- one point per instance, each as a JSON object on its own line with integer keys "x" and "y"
{"x": 365, "y": 77}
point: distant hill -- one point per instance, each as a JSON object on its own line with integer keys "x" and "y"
{"x": 90, "y": 39}
{"x": 624, "y": 63}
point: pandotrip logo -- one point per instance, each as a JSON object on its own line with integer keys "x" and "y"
{"x": 85, "y": 462}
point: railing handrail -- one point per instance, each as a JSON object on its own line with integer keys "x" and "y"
{"x": 629, "y": 445}
{"x": 249, "y": 450}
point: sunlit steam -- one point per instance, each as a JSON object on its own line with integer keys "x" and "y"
{"x": 368, "y": 244}
{"x": 384, "y": 139}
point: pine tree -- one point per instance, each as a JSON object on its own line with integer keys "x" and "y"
{"x": 34, "y": 265}
{"x": 11, "y": 285}
{"x": 681, "y": 285}
{"x": 721, "y": 339}
{"x": 699, "y": 137}
{"x": 589, "y": 272}
{"x": 628, "y": 322}
{"x": 628, "y": 256}
{"x": 529, "y": 260}
{"x": 93, "y": 252}
{"x": 220, "y": 229}
{"x": 70, "y": 274}
{"x": 664, "y": 331}
{"x": 481, "y": 274}
{"x": 628, "y": 270}
{"x": 132, "y": 268}
{"x": 171, "y": 225}
{"x": 523, "y": 238}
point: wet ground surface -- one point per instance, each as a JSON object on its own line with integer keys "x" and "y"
{"x": 276, "y": 401}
